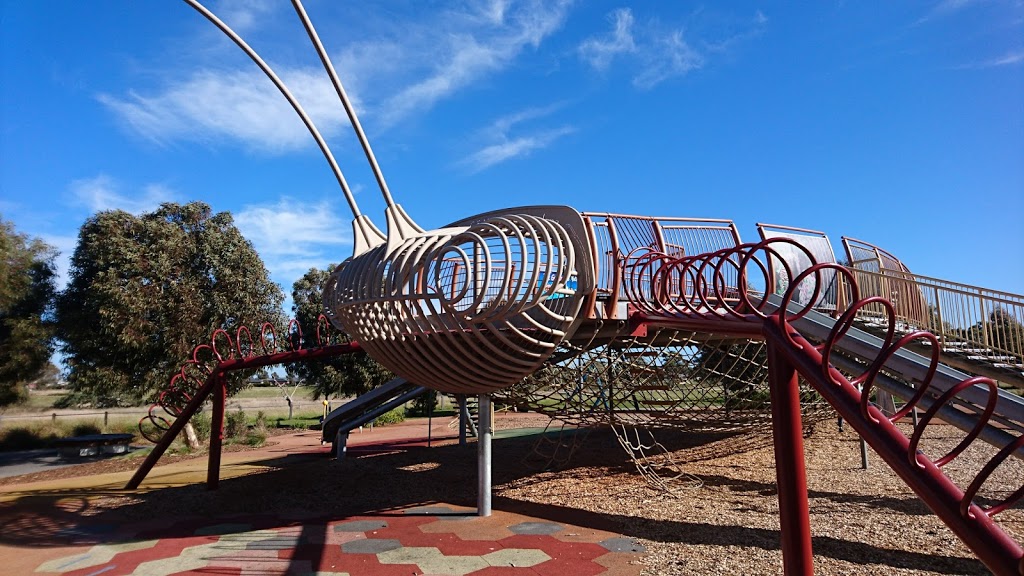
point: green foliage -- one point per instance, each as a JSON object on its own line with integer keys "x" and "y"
{"x": 348, "y": 375}
{"x": 45, "y": 434}
{"x": 424, "y": 404}
{"x": 26, "y": 438}
{"x": 85, "y": 430}
{"x": 235, "y": 425}
{"x": 255, "y": 438}
{"x": 261, "y": 421}
{"x": 144, "y": 290}
{"x": 391, "y": 417}
{"x": 202, "y": 425}
{"x": 27, "y": 289}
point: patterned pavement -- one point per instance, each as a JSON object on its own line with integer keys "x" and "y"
{"x": 46, "y": 528}
{"x": 439, "y": 539}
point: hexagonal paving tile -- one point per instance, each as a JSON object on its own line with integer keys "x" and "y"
{"x": 622, "y": 544}
{"x": 516, "y": 558}
{"x": 536, "y": 528}
{"x": 360, "y": 526}
{"x": 432, "y": 561}
{"x": 370, "y": 546}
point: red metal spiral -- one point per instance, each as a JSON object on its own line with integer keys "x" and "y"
{"x": 695, "y": 291}
{"x": 186, "y": 382}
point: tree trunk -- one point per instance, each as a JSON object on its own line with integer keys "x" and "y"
{"x": 191, "y": 438}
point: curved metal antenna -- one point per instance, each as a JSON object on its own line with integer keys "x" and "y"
{"x": 398, "y": 221}
{"x": 366, "y": 234}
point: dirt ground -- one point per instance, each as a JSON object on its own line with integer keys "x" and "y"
{"x": 718, "y": 516}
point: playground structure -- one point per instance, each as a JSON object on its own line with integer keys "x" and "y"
{"x": 655, "y": 322}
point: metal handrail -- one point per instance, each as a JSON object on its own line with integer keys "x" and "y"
{"x": 977, "y": 321}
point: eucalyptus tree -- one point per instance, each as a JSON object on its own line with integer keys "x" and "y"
{"x": 27, "y": 290}
{"x": 343, "y": 376}
{"x": 144, "y": 290}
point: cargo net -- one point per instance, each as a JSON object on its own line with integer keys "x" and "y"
{"x": 667, "y": 380}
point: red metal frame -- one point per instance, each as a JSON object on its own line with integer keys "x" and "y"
{"x": 714, "y": 307}
{"x": 238, "y": 354}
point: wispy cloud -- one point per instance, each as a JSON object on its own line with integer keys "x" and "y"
{"x": 944, "y": 8}
{"x": 506, "y": 141}
{"x": 407, "y": 69}
{"x": 1011, "y": 58}
{"x": 241, "y": 105}
{"x": 671, "y": 57}
{"x": 656, "y": 53}
{"x": 105, "y": 193}
{"x": 599, "y": 52}
{"x": 292, "y": 237}
{"x": 470, "y": 45}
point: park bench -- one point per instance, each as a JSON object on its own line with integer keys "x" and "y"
{"x": 93, "y": 444}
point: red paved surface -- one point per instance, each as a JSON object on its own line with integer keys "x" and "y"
{"x": 447, "y": 539}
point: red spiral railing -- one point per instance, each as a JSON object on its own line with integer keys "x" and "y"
{"x": 729, "y": 290}
{"x": 203, "y": 376}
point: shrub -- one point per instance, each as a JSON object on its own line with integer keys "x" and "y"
{"x": 85, "y": 429}
{"x": 392, "y": 417}
{"x": 202, "y": 424}
{"x": 255, "y": 438}
{"x": 261, "y": 422}
{"x": 424, "y": 403}
{"x": 235, "y": 425}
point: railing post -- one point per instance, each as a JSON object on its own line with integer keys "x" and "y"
{"x": 985, "y": 325}
{"x": 939, "y": 330}
{"x": 790, "y": 472}
{"x": 220, "y": 395}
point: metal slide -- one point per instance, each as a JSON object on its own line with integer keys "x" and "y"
{"x": 366, "y": 407}
{"x": 859, "y": 348}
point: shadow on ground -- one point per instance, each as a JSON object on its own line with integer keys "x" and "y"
{"x": 309, "y": 491}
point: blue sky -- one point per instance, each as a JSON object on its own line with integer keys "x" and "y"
{"x": 898, "y": 123}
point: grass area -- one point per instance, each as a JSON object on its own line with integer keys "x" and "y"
{"x": 44, "y": 434}
{"x": 302, "y": 393}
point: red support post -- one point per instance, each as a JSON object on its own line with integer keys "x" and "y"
{"x": 790, "y": 473}
{"x": 220, "y": 396}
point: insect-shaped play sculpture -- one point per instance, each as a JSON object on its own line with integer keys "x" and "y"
{"x": 472, "y": 307}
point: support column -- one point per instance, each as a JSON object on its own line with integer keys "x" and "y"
{"x": 463, "y": 418}
{"x": 790, "y": 472}
{"x": 484, "y": 432}
{"x": 220, "y": 395}
{"x": 340, "y": 445}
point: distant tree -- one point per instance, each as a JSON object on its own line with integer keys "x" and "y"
{"x": 1001, "y": 330}
{"x": 27, "y": 289}
{"x": 143, "y": 291}
{"x": 347, "y": 375}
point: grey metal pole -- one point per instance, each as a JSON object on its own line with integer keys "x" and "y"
{"x": 484, "y": 432}
{"x": 463, "y": 417}
{"x": 340, "y": 445}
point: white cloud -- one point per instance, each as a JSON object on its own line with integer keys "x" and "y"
{"x": 291, "y": 236}
{"x": 244, "y": 14}
{"x": 599, "y": 52}
{"x": 944, "y": 8}
{"x": 1009, "y": 59}
{"x": 407, "y": 69}
{"x": 502, "y": 146}
{"x": 466, "y": 47}
{"x": 104, "y": 193}
{"x": 673, "y": 57}
{"x": 240, "y": 105}
{"x": 655, "y": 53}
